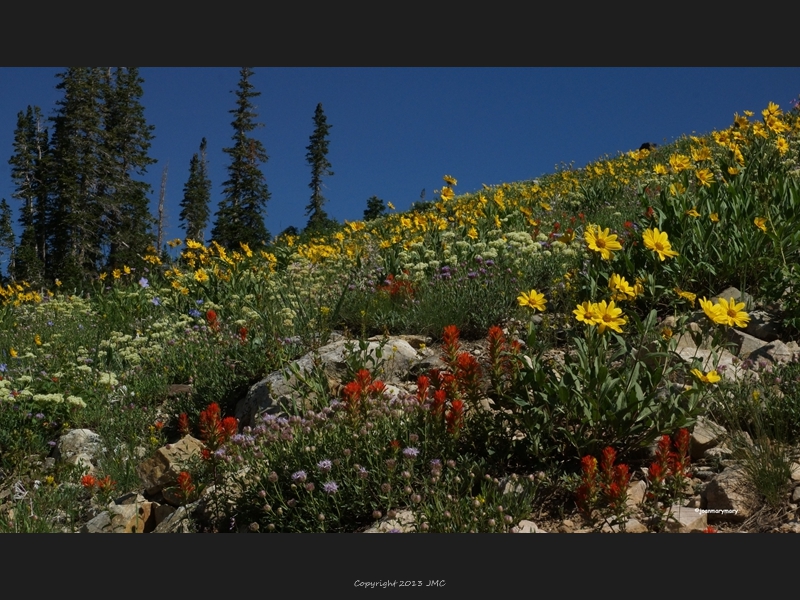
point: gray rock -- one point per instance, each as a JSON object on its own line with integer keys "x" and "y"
{"x": 162, "y": 470}
{"x": 686, "y": 520}
{"x": 705, "y": 435}
{"x": 79, "y": 447}
{"x": 744, "y": 343}
{"x": 730, "y": 496}
{"x": 282, "y": 388}
{"x": 763, "y": 326}
{"x": 774, "y": 352}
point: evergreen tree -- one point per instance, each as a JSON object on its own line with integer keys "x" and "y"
{"x": 6, "y": 238}
{"x": 29, "y": 174}
{"x": 127, "y": 220}
{"x": 375, "y": 208}
{"x": 75, "y": 178}
{"x": 320, "y": 167}
{"x": 240, "y": 217}
{"x": 196, "y": 197}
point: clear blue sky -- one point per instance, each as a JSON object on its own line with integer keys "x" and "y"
{"x": 395, "y": 131}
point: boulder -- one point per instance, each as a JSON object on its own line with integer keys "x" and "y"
{"x": 705, "y": 435}
{"x": 162, "y": 469}
{"x": 79, "y": 447}
{"x": 730, "y": 496}
{"x": 395, "y": 357}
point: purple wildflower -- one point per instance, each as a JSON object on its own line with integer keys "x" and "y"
{"x": 299, "y": 476}
{"x": 156, "y": 301}
{"x": 410, "y": 452}
{"x": 330, "y": 487}
{"x": 144, "y": 283}
{"x": 324, "y": 465}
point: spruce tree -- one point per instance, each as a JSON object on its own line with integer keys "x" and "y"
{"x": 75, "y": 180}
{"x": 375, "y": 208}
{"x": 6, "y": 239}
{"x": 196, "y": 197}
{"x": 240, "y": 217}
{"x": 29, "y": 174}
{"x": 320, "y": 167}
{"x": 127, "y": 219}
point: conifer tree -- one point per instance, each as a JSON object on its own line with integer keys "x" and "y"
{"x": 375, "y": 208}
{"x": 127, "y": 218}
{"x": 240, "y": 216}
{"x": 196, "y": 197}
{"x": 320, "y": 167}
{"x": 29, "y": 174}
{"x": 6, "y": 238}
{"x": 75, "y": 178}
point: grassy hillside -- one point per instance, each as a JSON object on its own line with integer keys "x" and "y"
{"x": 583, "y": 264}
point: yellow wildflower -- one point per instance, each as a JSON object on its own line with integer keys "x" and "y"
{"x": 600, "y": 241}
{"x": 127, "y": 269}
{"x": 116, "y": 273}
{"x": 782, "y": 145}
{"x": 658, "y": 242}
{"x": 731, "y": 313}
{"x": 660, "y": 169}
{"x": 609, "y": 317}
{"x": 450, "y": 180}
{"x": 621, "y": 289}
{"x": 705, "y": 177}
{"x": 679, "y": 162}
{"x": 761, "y": 223}
{"x": 714, "y": 217}
{"x": 200, "y": 275}
{"x": 710, "y": 377}
{"x": 692, "y": 212}
{"x": 686, "y": 295}
{"x": 534, "y": 299}
{"x": 13, "y": 353}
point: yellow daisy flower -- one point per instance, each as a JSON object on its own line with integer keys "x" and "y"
{"x": 710, "y": 377}
{"x": 731, "y": 313}
{"x": 600, "y": 241}
{"x": 692, "y": 212}
{"x": 609, "y": 317}
{"x": 533, "y": 299}
{"x": 761, "y": 223}
{"x": 658, "y": 242}
{"x": 586, "y": 313}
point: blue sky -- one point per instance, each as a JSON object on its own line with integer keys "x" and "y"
{"x": 397, "y": 131}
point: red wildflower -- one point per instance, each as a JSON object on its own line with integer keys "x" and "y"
{"x": 352, "y": 394}
{"x": 243, "y": 334}
{"x": 364, "y": 378}
{"x": 439, "y": 398}
{"x": 455, "y": 416}
{"x": 159, "y": 425}
{"x": 183, "y": 424}
{"x": 423, "y": 383}
{"x": 710, "y": 529}
{"x": 468, "y": 375}
{"x": 556, "y": 226}
{"x": 450, "y": 346}
{"x": 394, "y": 445}
{"x": 211, "y": 317}
{"x": 88, "y": 481}
{"x": 106, "y": 484}
{"x": 185, "y": 484}
{"x": 376, "y": 388}
{"x": 230, "y": 426}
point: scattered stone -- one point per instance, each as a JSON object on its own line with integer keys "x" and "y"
{"x": 403, "y": 522}
{"x": 631, "y": 526}
{"x": 685, "y": 520}
{"x": 79, "y": 447}
{"x": 730, "y": 496}
{"x": 526, "y": 526}
{"x": 162, "y": 469}
{"x": 705, "y": 435}
{"x": 636, "y": 493}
